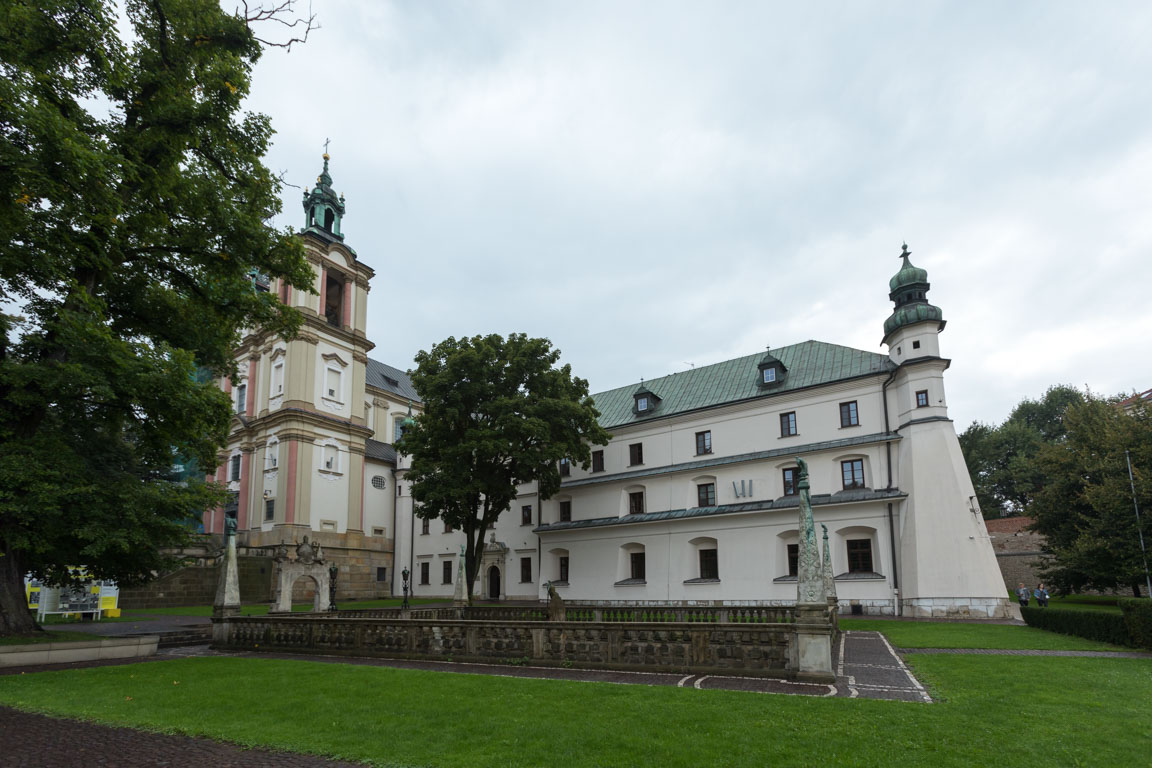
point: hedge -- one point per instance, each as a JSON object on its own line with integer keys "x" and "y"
{"x": 1137, "y": 614}
{"x": 1101, "y": 626}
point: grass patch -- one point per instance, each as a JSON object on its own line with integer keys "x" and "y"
{"x": 47, "y": 637}
{"x": 1083, "y": 603}
{"x": 262, "y": 609}
{"x": 416, "y": 718}
{"x": 923, "y": 634}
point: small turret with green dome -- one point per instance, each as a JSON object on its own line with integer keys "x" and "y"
{"x": 909, "y": 292}
{"x": 323, "y": 209}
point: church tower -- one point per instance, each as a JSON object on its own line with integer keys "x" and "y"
{"x": 947, "y": 564}
{"x": 296, "y": 456}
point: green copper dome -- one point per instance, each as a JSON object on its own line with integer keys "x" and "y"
{"x": 912, "y": 313}
{"x": 909, "y": 292}
{"x": 908, "y": 273}
{"x": 323, "y": 208}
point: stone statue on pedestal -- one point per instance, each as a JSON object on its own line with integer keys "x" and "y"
{"x": 227, "y": 602}
{"x": 460, "y": 597}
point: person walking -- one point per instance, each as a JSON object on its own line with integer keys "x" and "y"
{"x": 1041, "y": 595}
{"x": 1022, "y": 594}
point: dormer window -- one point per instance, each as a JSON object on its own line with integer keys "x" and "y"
{"x": 644, "y": 401}
{"x": 770, "y": 371}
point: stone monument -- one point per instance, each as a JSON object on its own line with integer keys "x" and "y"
{"x": 309, "y": 562}
{"x": 813, "y": 623}
{"x": 460, "y": 597}
{"x": 227, "y": 601}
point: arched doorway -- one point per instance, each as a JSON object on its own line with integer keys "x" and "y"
{"x": 493, "y": 583}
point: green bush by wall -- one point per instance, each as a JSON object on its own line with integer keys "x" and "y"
{"x": 1093, "y": 625}
{"x": 1137, "y": 614}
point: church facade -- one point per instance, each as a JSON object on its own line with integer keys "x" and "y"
{"x": 693, "y": 501}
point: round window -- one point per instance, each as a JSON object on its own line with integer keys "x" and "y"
{"x": 377, "y": 481}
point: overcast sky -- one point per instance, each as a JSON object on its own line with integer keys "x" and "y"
{"x": 655, "y": 184}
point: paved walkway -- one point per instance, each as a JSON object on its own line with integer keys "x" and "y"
{"x": 34, "y": 741}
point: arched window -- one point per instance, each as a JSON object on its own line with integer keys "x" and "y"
{"x": 856, "y": 552}
{"x": 559, "y": 566}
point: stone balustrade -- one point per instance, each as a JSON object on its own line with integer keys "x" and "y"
{"x": 708, "y": 645}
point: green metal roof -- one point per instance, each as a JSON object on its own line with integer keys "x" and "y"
{"x": 808, "y": 363}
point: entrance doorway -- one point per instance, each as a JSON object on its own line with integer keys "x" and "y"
{"x": 493, "y": 583}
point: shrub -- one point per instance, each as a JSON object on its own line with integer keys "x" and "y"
{"x": 1101, "y": 626}
{"x": 1137, "y": 614}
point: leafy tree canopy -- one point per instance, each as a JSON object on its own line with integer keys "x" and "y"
{"x": 1084, "y": 503}
{"x": 1000, "y": 457}
{"x": 134, "y": 209}
{"x": 498, "y": 413}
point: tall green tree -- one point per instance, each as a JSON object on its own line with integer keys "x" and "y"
{"x": 1000, "y": 458}
{"x": 497, "y": 413}
{"x": 134, "y": 210}
{"x": 1084, "y": 503}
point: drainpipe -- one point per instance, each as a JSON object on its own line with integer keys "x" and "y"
{"x": 539, "y": 544}
{"x": 395, "y": 538}
{"x": 891, "y": 522}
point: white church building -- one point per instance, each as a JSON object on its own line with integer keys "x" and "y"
{"x": 694, "y": 500}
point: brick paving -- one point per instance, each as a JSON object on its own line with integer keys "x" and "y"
{"x": 35, "y": 741}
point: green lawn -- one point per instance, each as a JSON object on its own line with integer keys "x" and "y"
{"x": 1083, "y": 603}
{"x": 47, "y": 637}
{"x": 1010, "y": 711}
{"x": 261, "y": 609}
{"x": 922, "y": 634}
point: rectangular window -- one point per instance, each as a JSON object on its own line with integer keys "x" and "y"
{"x": 381, "y": 573}
{"x": 563, "y": 569}
{"x": 597, "y": 461}
{"x": 424, "y": 526}
{"x": 525, "y": 570}
{"x": 636, "y": 560}
{"x": 703, "y": 442}
{"x": 859, "y": 555}
{"x": 849, "y": 417}
{"x": 791, "y": 478}
{"x": 447, "y": 528}
{"x": 270, "y": 509}
{"x": 788, "y": 424}
{"x": 922, "y": 399}
{"x": 241, "y": 398}
{"x": 915, "y": 345}
{"x": 793, "y": 559}
{"x": 332, "y": 383}
{"x": 397, "y": 430}
{"x": 277, "y": 379}
{"x": 424, "y": 569}
{"x": 706, "y": 495}
{"x": 446, "y": 567}
{"x": 642, "y": 403}
{"x": 636, "y": 503}
{"x": 235, "y": 473}
{"x": 853, "y": 471}
{"x": 709, "y": 564}
{"x": 526, "y": 515}
{"x": 770, "y": 374}
{"x": 565, "y": 468}
{"x": 636, "y": 453}
{"x": 566, "y": 511}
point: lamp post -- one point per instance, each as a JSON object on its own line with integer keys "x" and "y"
{"x": 332, "y": 573}
{"x": 404, "y": 574}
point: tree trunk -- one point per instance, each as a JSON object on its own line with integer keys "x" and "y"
{"x": 1135, "y": 589}
{"x": 15, "y": 618}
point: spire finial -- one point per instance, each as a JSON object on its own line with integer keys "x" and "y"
{"x": 905, "y": 253}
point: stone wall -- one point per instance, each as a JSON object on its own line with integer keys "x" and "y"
{"x": 1018, "y": 550}
{"x": 196, "y": 585}
{"x": 745, "y": 649}
{"x": 357, "y": 556}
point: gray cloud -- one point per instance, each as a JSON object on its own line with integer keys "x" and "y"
{"x": 661, "y": 183}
